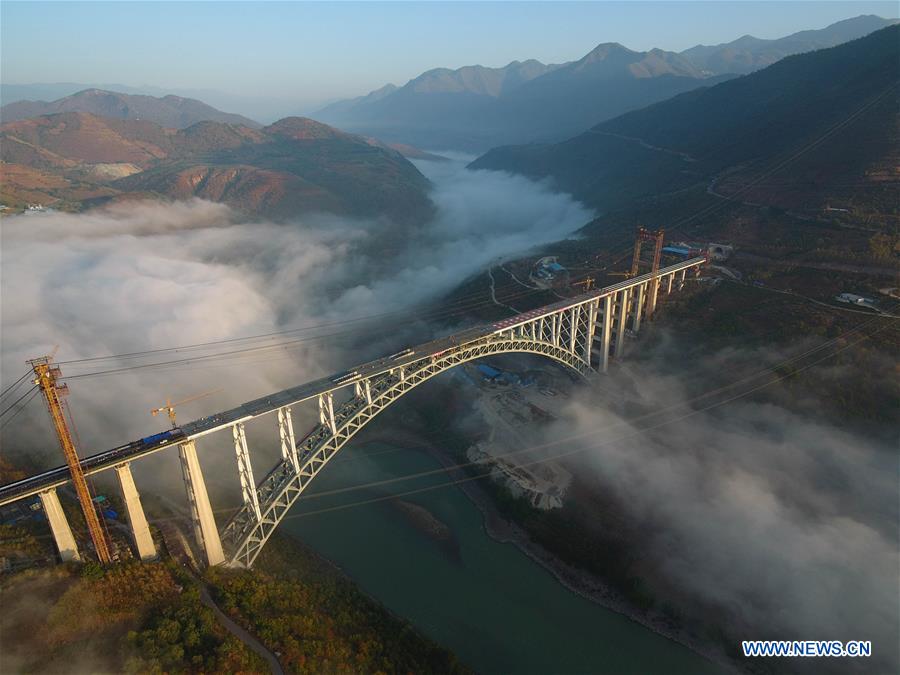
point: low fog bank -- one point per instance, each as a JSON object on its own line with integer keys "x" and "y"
{"x": 145, "y": 276}
{"x": 785, "y": 526}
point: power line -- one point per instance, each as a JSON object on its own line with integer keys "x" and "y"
{"x": 9, "y": 420}
{"x": 637, "y": 432}
{"x": 14, "y": 384}
{"x": 454, "y": 310}
{"x": 33, "y": 388}
{"x": 674, "y": 406}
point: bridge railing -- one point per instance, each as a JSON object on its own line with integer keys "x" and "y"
{"x": 583, "y": 333}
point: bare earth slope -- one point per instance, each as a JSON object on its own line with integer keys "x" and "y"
{"x": 294, "y": 166}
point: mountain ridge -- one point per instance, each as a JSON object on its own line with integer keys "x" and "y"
{"x": 733, "y": 129}
{"x": 168, "y": 111}
{"x": 477, "y": 107}
{"x": 73, "y": 160}
{"x": 748, "y": 53}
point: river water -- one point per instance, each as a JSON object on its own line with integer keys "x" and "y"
{"x": 499, "y": 611}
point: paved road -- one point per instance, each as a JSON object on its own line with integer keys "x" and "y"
{"x": 239, "y": 632}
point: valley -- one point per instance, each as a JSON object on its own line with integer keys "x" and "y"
{"x": 730, "y": 475}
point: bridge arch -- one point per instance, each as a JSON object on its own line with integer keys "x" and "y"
{"x": 246, "y": 534}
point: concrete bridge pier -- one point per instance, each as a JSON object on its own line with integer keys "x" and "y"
{"x": 653, "y": 292}
{"x": 682, "y": 275}
{"x": 605, "y": 332}
{"x": 639, "y": 307}
{"x": 59, "y": 526}
{"x": 671, "y": 281}
{"x": 623, "y": 298}
{"x": 201, "y": 511}
{"x": 140, "y": 531}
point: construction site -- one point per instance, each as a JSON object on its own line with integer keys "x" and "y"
{"x": 515, "y": 406}
{"x": 517, "y": 398}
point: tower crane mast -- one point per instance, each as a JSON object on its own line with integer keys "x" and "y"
{"x": 46, "y": 377}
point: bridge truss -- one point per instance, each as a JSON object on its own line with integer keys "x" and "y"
{"x": 581, "y": 333}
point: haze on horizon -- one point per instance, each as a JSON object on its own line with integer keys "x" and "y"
{"x": 267, "y": 64}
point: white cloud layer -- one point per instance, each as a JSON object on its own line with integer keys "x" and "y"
{"x": 788, "y": 525}
{"x": 144, "y": 276}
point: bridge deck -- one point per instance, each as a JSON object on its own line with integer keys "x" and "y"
{"x": 105, "y": 460}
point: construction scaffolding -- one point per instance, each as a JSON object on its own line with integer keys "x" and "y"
{"x": 642, "y": 235}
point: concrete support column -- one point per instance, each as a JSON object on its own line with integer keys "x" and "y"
{"x": 671, "y": 280}
{"x": 286, "y": 435}
{"x": 624, "y": 300}
{"x": 59, "y": 526}
{"x": 638, "y": 307}
{"x": 140, "y": 531}
{"x": 574, "y": 317}
{"x": 651, "y": 300}
{"x": 591, "y": 329}
{"x": 204, "y": 522}
{"x": 681, "y": 278}
{"x": 605, "y": 332}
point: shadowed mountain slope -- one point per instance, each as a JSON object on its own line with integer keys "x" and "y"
{"x": 748, "y": 53}
{"x": 830, "y": 111}
{"x": 475, "y": 108}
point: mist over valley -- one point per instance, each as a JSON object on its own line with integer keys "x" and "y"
{"x": 582, "y": 363}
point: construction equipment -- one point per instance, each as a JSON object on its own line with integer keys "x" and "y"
{"x": 643, "y": 234}
{"x": 587, "y": 283}
{"x": 46, "y": 377}
{"x": 169, "y": 407}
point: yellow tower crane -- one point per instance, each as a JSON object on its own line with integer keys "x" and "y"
{"x": 169, "y": 407}
{"x": 587, "y": 284}
{"x": 46, "y": 377}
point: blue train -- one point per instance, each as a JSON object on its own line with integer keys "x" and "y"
{"x": 62, "y": 473}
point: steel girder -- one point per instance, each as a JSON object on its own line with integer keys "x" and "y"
{"x": 247, "y": 533}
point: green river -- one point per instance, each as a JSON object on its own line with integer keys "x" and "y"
{"x": 496, "y": 608}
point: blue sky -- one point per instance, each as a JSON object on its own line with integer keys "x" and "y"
{"x": 308, "y": 53}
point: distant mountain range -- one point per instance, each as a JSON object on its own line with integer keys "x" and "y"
{"x": 833, "y": 112}
{"x": 71, "y": 160}
{"x": 167, "y": 111}
{"x": 747, "y": 54}
{"x": 474, "y": 108}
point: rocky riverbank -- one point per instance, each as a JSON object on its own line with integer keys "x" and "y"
{"x": 576, "y": 580}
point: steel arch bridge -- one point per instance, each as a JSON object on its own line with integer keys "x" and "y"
{"x": 581, "y": 333}
{"x": 247, "y": 532}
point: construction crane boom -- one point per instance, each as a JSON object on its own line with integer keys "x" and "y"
{"x": 169, "y": 407}
{"x": 46, "y": 377}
